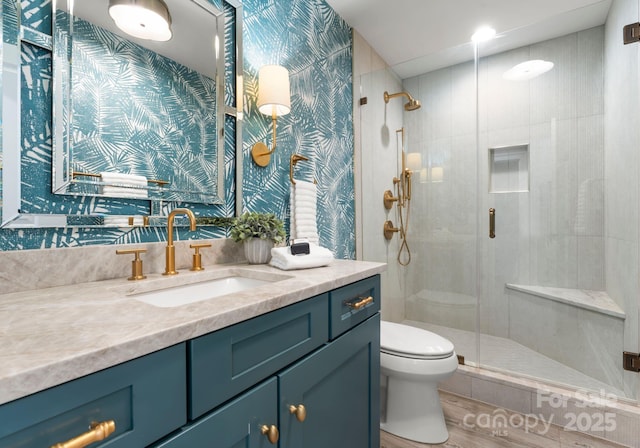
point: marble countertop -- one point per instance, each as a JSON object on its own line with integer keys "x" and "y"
{"x": 53, "y": 335}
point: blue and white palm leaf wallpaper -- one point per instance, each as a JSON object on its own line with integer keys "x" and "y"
{"x": 315, "y": 45}
{"x": 305, "y": 36}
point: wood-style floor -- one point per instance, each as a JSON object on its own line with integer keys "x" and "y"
{"x": 464, "y": 436}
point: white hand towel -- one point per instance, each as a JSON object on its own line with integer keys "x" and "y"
{"x": 303, "y": 211}
{"x": 122, "y": 185}
{"x": 281, "y": 258}
{"x": 123, "y": 179}
{"x": 124, "y": 192}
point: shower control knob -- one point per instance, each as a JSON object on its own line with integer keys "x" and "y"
{"x": 389, "y": 230}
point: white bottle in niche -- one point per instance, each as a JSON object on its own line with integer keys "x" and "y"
{"x": 258, "y": 251}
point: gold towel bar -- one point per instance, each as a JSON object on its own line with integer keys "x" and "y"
{"x": 151, "y": 181}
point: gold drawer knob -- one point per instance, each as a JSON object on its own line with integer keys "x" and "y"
{"x": 299, "y": 411}
{"x": 271, "y": 432}
{"x": 360, "y": 303}
{"x": 98, "y": 431}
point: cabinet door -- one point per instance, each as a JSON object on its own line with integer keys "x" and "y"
{"x": 339, "y": 387}
{"x": 235, "y": 425}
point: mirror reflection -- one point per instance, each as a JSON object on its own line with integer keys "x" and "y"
{"x": 139, "y": 118}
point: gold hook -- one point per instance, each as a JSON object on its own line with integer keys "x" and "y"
{"x": 295, "y": 158}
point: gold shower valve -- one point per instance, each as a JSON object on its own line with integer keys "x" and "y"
{"x": 388, "y": 199}
{"x": 389, "y": 230}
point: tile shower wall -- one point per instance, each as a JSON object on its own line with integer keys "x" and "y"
{"x": 310, "y": 40}
{"x": 549, "y": 236}
{"x": 377, "y": 155}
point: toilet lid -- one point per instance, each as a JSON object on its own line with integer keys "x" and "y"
{"x": 413, "y": 342}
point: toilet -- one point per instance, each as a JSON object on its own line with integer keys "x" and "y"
{"x": 413, "y": 361}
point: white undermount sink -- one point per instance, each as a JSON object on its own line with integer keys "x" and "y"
{"x": 169, "y": 296}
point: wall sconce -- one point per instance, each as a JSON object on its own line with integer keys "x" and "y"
{"x": 144, "y": 19}
{"x": 274, "y": 98}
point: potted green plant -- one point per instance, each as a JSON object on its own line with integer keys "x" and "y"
{"x": 258, "y": 232}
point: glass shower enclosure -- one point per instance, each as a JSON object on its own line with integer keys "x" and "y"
{"x": 524, "y": 216}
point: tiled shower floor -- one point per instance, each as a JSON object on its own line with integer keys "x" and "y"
{"x": 507, "y": 355}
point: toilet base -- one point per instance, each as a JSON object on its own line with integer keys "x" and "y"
{"x": 414, "y": 412}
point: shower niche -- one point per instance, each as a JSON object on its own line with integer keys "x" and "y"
{"x": 509, "y": 169}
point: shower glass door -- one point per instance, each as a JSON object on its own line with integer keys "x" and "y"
{"x": 441, "y": 141}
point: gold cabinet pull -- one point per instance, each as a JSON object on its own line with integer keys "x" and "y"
{"x": 360, "y": 303}
{"x": 271, "y": 432}
{"x": 98, "y": 431}
{"x": 492, "y": 223}
{"x": 299, "y": 411}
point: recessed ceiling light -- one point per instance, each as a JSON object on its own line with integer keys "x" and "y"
{"x": 483, "y": 34}
{"x": 528, "y": 70}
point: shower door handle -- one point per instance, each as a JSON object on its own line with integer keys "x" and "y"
{"x": 492, "y": 223}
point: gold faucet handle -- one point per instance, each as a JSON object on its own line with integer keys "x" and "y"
{"x": 197, "y": 256}
{"x": 136, "y": 263}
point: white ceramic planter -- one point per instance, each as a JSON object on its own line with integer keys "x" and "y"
{"x": 257, "y": 251}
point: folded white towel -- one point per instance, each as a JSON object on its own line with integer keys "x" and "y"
{"x": 281, "y": 258}
{"x": 303, "y": 211}
{"x": 121, "y": 185}
{"x": 123, "y": 179}
{"x": 124, "y": 192}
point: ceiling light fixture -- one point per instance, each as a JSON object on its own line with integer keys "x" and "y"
{"x": 483, "y": 34}
{"x": 144, "y": 19}
{"x": 528, "y": 70}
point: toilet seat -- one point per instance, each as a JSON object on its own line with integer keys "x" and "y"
{"x": 412, "y": 342}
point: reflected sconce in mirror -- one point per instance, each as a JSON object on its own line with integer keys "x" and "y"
{"x": 414, "y": 161}
{"x": 144, "y": 19}
{"x": 274, "y": 98}
{"x": 437, "y": 174}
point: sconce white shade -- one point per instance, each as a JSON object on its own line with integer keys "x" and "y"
{"x": 144, "y": 19}
{"x": 414, "y": 161}
{"x": 274, "y": 97}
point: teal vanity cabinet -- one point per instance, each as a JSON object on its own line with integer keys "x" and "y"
{"x": 314, "y": 390}
{"x": 303, "y": 376}
{"x": 339, "y": 389}
{"x": 144, "y": 398}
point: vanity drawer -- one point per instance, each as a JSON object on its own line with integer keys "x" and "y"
{"x": 224, "y": 363}
{"x": 145, "y": 397}
{"x": 353, "y": 304}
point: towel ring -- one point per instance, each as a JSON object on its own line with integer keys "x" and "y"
{"x": 295, "y": 158}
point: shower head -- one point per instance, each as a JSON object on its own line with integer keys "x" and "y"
{"x": 412, "y": 104}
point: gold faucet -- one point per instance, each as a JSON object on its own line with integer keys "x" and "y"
{"x": 170, "y": 266}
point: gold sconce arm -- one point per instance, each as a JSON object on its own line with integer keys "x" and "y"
{"x": 260, "y": 153}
